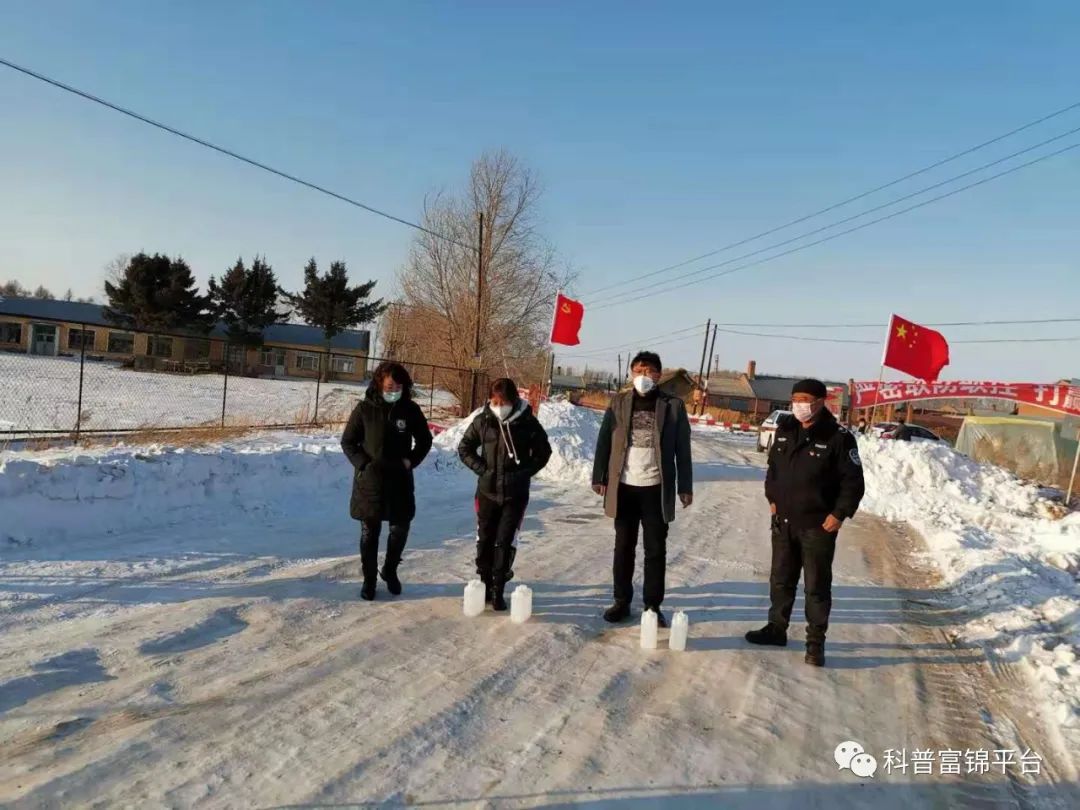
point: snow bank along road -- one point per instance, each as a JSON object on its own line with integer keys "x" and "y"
{"x": 202, "y": 643}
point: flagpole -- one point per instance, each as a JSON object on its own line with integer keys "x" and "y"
{"x": 1076, "y": 464}
{"x": 545, "y": 384}
{"x": 881, "y": 374}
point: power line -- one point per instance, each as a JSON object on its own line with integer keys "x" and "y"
{"x": 727, "y": 328}
{"x": 878, "y": 342}
{"x": 879, "y": 325}
{"x": 1020, "y": 340}
{"x": 859, "y": 227}
{"x": 842, "y": 203}
{"x": 657, "y": 340}
{"x": 853, "y": 217}
{"x": 798, "y": 337}
{"x": 229, "y": 153}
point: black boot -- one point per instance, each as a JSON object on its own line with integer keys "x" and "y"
{"x": 393, "y": 584}
{"x": 489, "y": 592}
{"x": 770, "y": 635}
{"x": 369, "y": 558}
{"x": 815, "y": 653}
{"x": 620, "y": 611}
{"x": 395, "y": 546}
{"x": 500, "y": 567}
{"x": 660, "y": 620}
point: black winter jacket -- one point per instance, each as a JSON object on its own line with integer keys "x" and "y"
{"x": 818, "y": 476}
{"x": 505, "y": 456}
{"x": 378, "y": 438}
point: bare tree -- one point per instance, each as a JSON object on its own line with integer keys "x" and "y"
{"x": 438, "y": 315}
{"x": 114, "y": 270}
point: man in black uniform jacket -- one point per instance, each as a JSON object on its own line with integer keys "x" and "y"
{"x": 814, "y": 484}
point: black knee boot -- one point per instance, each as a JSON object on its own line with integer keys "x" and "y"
{"x": 499, "y": 570}
{"x": 395, "y": 545}
{"x": 369, "y": 558}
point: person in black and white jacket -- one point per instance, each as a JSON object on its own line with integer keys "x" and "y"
{"x": 505, "y": 446}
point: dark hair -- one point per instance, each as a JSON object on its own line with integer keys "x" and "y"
{"x": 505, "y": 388}
{"x": 394, "y": 371}
{"x": 651, "y": 359}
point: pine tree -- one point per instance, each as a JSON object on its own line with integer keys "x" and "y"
{"x": 157, "y": 294}
{"x": 329, "y": 303}
{"x": 246, "y": 300}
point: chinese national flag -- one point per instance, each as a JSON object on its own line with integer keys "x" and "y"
{"x": 567, "y": 321}
{"x": 915, "y": 350}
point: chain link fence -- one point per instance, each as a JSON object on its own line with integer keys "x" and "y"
{"x": 77, "y": 379}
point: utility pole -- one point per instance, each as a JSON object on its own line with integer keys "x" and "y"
{"x": 705, "y": 391}
{"x": 704, "y": 352}
{"x": 620, "y": 370}
{"x": 479, "y": 312}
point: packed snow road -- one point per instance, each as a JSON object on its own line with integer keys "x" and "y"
{"x": 225, "y": 659}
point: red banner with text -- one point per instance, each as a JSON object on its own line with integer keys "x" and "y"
{"x": 1060, "y": 397}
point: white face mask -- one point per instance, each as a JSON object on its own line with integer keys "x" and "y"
{"x": 643, "y": 384}
{"x": 502, "y": 411}
{"x": 391, "y": 396}
{"x": 804, "y": 411}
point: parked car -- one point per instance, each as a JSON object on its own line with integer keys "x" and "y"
{"x": 888, "y": 430}
{"x": 767, "y": 431}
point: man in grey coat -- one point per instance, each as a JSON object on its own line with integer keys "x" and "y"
{"x": 642, "y": 462}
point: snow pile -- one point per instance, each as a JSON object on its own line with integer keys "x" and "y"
{"x": 1000, "y": 548}
{"x": 572, "y": 432}
{"x": 61, "y": 495}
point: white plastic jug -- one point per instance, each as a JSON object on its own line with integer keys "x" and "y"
{"x": 648, "y": 630}
{"x": 680, "y": 629}
{"x": 474, "y": 598}
{"x": 521, "y": 604}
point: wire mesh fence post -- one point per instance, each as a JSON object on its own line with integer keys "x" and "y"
{"x": 431, "y": 407}
{"x": 225, "y": 386}
{"x": 318, "y": 386}
{"x": 82, "y": 370}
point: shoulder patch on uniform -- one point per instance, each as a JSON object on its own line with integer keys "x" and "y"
{"x": 854, "y": 456}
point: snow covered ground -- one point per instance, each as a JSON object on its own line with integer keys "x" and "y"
{"x": 42, "y": 393}
{"x": 183, "y": 628}
{"x": 1003, "y": 550}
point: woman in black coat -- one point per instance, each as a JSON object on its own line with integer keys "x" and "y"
{"x": 385, "y": 440}
{"x": 505, "y": 446}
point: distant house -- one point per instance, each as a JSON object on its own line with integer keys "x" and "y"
{"x": 58, "y": 328}
{"x": 728, "y": 393}
{"x": 677, "y": 383}
{"x": 567, "y": 383}
{"x": 756, "y": 395}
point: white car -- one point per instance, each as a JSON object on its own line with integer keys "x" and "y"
{"x": 767, "y": 431}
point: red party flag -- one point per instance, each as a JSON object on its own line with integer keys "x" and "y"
{"x": 567, "y": 321}
{"x": 915, "y": 350}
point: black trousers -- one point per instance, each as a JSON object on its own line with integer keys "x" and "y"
{"x": 497, "y": 528}
{"x": 640, "y": 507}
{"x": 811, "y": 551}
{"x": 369, "y": 547}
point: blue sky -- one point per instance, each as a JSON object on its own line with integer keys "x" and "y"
{"x": 659, "y": 132}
